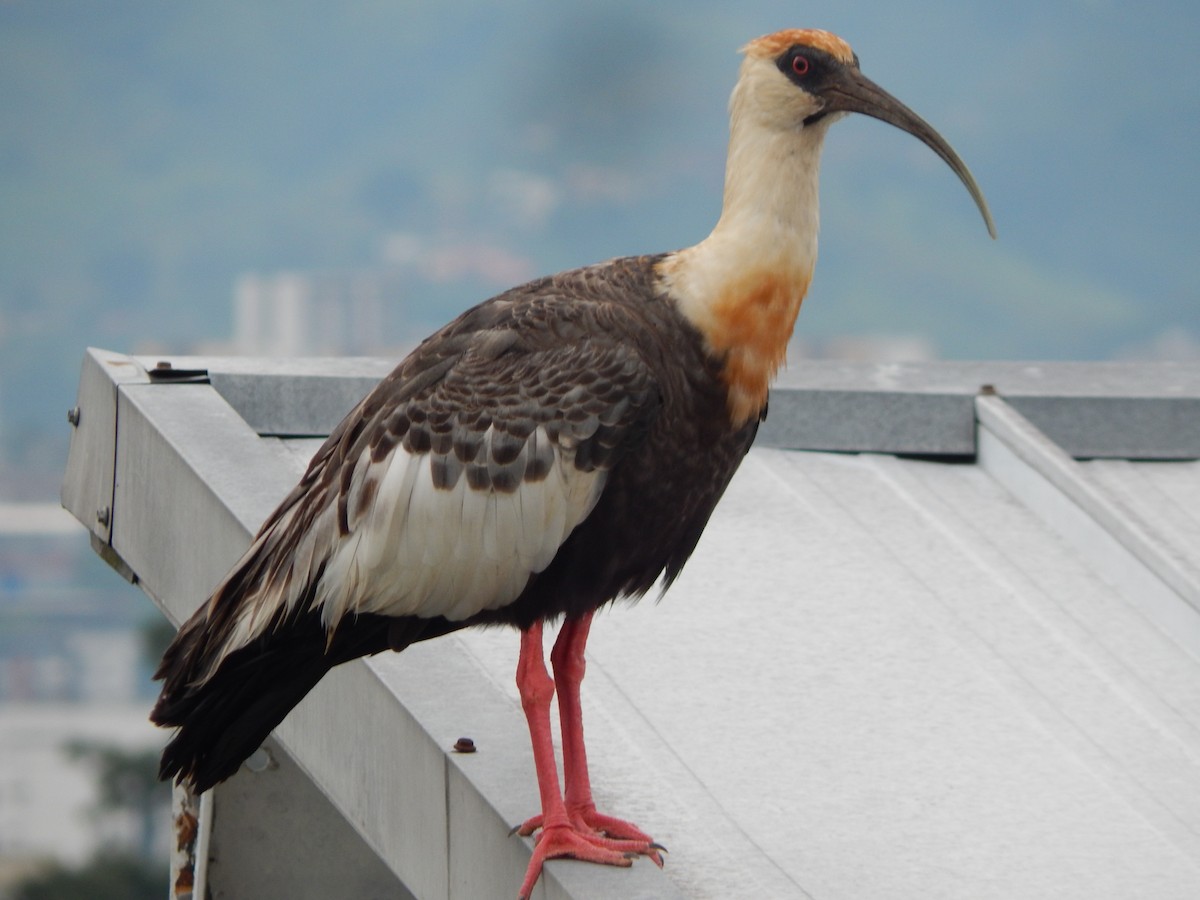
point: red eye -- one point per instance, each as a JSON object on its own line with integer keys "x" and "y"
{"x": 800, "y": 65}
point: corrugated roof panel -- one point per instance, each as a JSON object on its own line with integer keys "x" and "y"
{"x": 878, "y": 677}
{"x": 1165, "y": 495}
{"x": 885, "y": 701}
{"x": 1071, "y": 593}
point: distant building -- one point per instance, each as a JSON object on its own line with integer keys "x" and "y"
{"x": 72, "y": 669}
{"x": 311, "y": 313}
{"x": 69, "y": 627}
{"x": 364, "y": 312}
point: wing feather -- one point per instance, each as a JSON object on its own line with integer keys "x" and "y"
{"x": 454, "y": 482}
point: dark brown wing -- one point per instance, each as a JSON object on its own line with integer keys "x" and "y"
{"x": 452, "y": 483}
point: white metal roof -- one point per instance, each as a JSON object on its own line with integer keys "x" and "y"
{"x": 975, "y": 672}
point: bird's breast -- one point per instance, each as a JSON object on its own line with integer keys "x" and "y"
{"x": 751, "y": 323}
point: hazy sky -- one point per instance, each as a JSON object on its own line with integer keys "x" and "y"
{"x": 150, "y": 153}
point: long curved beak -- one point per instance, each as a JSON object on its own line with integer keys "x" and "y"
{"x": 852, "y": 91}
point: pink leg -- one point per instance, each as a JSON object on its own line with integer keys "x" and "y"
{"x": 616, "y": 834}
{"x": 569, "y": 667}
{"x": 558, "y": 837}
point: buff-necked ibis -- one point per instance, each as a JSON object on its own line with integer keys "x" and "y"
{"x": 553, "y": 448}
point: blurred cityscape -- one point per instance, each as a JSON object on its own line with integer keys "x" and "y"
{"x": 74, "y": 672}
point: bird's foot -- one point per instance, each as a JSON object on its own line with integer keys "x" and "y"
{"x": 566, "y": 840}
{"x": 607, "y": 831}
{"x": 621, "y": 830}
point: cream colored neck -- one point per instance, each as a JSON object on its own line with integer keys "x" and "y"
{"x": 743, "y": 284}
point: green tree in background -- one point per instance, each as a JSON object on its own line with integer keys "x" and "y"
{"x": 105, "y": 877}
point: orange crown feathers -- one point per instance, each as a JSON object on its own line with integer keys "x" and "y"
{"x": 770, "y": 46}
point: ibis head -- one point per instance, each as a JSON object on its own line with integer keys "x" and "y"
{"x": 822, "y": 74}
{"x": 742, "y": 286}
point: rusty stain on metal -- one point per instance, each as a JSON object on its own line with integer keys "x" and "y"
{"x": 186, "y": 825}
{"x": 184, "y": 882}
{"x": 186, "y": 821}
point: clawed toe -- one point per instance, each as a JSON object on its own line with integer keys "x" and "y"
{"x": 598, "y": 837}
{"x": 563, "y": 841}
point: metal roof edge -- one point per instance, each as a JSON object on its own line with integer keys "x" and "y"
{"x": 1090, "y": 409}
{"x": 1124, "y": 548}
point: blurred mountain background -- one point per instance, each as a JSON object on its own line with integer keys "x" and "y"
{"x": 152, "y": 154}
{"x": 193, "y": 176}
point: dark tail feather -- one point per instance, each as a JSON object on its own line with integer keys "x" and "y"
{"x": 224, "y": 719}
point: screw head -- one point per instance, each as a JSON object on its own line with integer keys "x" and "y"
{"x": 73, "y": 416}
{"x": 464, "y": 745}
{"x": 260, "y": 760}
{"x": 103, "y": 514}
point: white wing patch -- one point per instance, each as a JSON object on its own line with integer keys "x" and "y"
{"x": 418, "y": 550}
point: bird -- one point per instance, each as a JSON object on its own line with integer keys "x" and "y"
{"x": 556, "y": 447}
